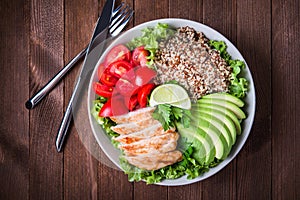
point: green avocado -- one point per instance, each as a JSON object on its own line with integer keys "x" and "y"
{"x": 228, "y": 105}
{"x": 216, "y": 124}
{"x": 204, "y": 150}
{"x": 225, "y": 97}
{"x": 222, "y": 148}
{"x": 225, "y": 111}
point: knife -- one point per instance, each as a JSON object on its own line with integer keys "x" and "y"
{"x": 99, "y": 35}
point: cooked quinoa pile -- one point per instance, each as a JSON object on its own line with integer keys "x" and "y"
{"x": 187, "y": 58}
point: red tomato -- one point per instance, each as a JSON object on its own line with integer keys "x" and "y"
{"x": 143, "y": 94}
{"x": 143, "y": 75}
{"x": 125, "y": 87}
{"x": 118, "y": 106}
{"x": 139, "y": 56}
{"x": 108, "y": 79}
{"x": 131, "y": 102}
{"x": 119, "y": 52}
{"x": 106, "y": 110}
{"x": 102, "y": 90}
{"x": 119, "y": 68}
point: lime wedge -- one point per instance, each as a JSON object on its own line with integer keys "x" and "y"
{"x": 185, "y": 104}
{"x": 170, "y": 94}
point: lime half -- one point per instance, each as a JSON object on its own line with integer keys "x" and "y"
{"x": 172, "y": 94}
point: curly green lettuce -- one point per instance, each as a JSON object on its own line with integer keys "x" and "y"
{"x": 238, "y": 85}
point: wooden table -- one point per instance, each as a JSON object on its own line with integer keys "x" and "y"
{"x": 39, "y": 36}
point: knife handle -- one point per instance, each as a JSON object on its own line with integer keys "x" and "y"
{"x": 35, "y": 99}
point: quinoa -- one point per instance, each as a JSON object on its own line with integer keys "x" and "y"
{"x": 187, "y": 58}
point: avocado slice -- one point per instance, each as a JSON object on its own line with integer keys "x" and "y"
{"x": 225, "y": 97}
{"x": 204, "y": 149}
{"x": 230, "y": 106}
{"x": 217, "y": 138}
{"x": 217, "y": 124}
{"x": 221, "y": 145}
{"x": 221, "y": 117}
{"x": 225, "y": 111}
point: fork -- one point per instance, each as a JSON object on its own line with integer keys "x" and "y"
{"x": 120, "y": 17}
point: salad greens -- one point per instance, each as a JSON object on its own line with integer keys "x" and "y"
{"x": 150, "y": 39}
{"x": 238, "y": 85}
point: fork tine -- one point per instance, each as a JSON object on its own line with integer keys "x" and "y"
{"x": 115, "y": 11}
{"x": 117, "y": 16}
{"x": 119, "y": 28}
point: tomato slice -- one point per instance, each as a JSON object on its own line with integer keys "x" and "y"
{"x": 144, "y": 75}
{"x": 139, "y": 56}
{"x": 118, "y": 106}
{"x": 143, "y": 94}
{"x": 102, "y": 90}
{"x": 106, "y": 110}
{"x": 131, "y": 102}
{"x": 125, "y": 87}
{"x": 119, "y": 52}
{"x": 119, "y": 68}
{"x": 108, "y": 79}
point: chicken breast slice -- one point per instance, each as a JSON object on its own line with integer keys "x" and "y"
{"x": 154, "y": 130}
{"x": 156, "y": 161}
{"x": 134, "y": 115}
{"x": 135, "y": 126}
{"x": 158, "y": 144}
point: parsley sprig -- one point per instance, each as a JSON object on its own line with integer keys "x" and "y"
{"x": 167, "y": 115}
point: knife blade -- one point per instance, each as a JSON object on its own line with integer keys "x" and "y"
{"x": 99, "y": 35}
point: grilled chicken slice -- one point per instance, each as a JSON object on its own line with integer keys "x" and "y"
{"x": 134, "y": 126}
{"x": 155, "y": 161}
{"x": 146, "y": 133}
{"x": 134, "y": 116}
{"x": 157, "y": 144}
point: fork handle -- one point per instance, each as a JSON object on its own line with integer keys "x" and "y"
{"x": 35, "y": 99}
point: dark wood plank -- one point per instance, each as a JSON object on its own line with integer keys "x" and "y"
{"x": 286, "y": 97}
{"x": 192, "y": 10}
{"x": 14, "y": 87}
{"x": 221, "y": 15}
{"x": 80, "y": 182}
{"x": 46, "y": 47}
{"x": 253, "y": 40}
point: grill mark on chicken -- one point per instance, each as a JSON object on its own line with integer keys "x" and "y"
{"x": 146, "y": 133}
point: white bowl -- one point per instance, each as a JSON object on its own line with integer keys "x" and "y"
{"x": 113, "y": 153}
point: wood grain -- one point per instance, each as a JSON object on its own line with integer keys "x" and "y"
{"x": 254, "y": 41}
{"x": 286, "y": 97}
{"x": 80, "y": 20}
{"x": 46, "y": 58}
{"x": 14, "y": 118}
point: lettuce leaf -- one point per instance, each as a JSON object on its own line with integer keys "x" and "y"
{"x": 238, "y": 85}
{"x": 150, "y": 38}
